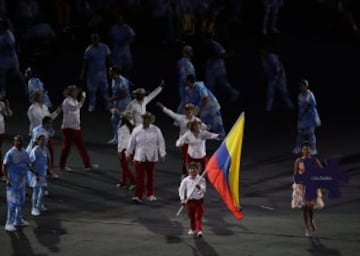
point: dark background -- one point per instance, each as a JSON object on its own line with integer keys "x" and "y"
{"x": 89, "y": 216}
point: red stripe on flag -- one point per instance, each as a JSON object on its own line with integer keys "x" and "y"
{"x": 218, "y": 180}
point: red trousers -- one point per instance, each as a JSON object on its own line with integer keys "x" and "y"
{"x": 203, "y": 161}
{"x": 195, "y": 213}
{"x": 126, "y": 174}
{"x": 73, "y": 136}
{"x": 143, "y": 169}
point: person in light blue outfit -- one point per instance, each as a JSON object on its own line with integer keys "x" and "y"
{"x": 122, "y": 35}
{"x": 185, "y": 68}
{"x": 216, "y": 69}
{"x": 48, "y": 131}
{"x": 276, "y": 79}
{"x": 39, "y": 157}
{"x": 119, "y": 100}
{"x": 204, "y": 99}
{"x": 36, "y": 85}
{"x": 16, "y": 163}
{"x": 308, "y": 118}
{"x": 96, "y": 60}
{"x": 45, "y": 128}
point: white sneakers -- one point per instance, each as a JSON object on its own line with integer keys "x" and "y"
{"x": 10, "y": 228}
{"x": 119, "y": 186}
{"x": 152, "y": 198}
{"x": 137, "y": 200}
{"x": 54, "y": 176}
{"x": 43, "y": 209}
{"x": 92, "y": 167}
{"x": 35, "y": 212}
{"x": 192, "y": 232}
{"x": 66, "y": 169}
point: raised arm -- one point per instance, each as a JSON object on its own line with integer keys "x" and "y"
{"x": 169, "y": 112}
{"x": 155, "y": 92}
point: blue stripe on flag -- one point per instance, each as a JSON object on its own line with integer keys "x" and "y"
{"x": 223, "y": 160}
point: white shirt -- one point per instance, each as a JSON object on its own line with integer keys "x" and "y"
{"x": 36, "y": 113}
{"x": 3, "y": 112}
{"x": 196, "y": 148}
{"x": 139, "y": 108}
{"x": 71, "y": 113}
{"x": 147, "y": 144}
{"x": 188, "y": 189}
{"x": 123, "y": 137}
{"x": 182, "y": 120}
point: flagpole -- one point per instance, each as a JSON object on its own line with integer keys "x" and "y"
{"x": 182, "y": 206}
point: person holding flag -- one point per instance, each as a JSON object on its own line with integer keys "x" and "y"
{"x": 191, "y": 192}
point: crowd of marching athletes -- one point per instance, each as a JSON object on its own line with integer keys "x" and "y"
{"x": 138, "y": 139}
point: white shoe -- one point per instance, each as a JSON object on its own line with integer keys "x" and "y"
{"x": 137, "y": 200}
{"x": 43, "y": 209}
{"x": 191, "y": 232}
{"x": 35, "y": 212}
{"x": 199, "y": 234}
{"x": 152, "y": 198}
{"x": 92, "y": 167}
{"x": 54, "y": 176}
{"x": 10, "y": 228}
{"x": 66, "y": 169}
{"x": 308, "y": 233}
{"x": 131, "y": 187}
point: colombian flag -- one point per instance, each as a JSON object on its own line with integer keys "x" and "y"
{"x": 223, "y": 168}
